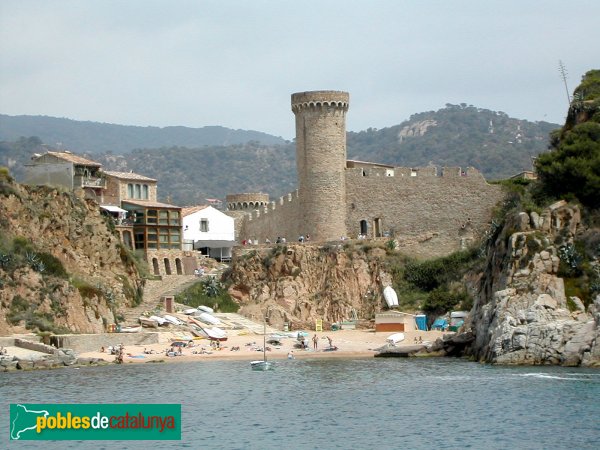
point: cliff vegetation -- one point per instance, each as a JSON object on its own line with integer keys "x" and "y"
{"x": 62, "y": 268}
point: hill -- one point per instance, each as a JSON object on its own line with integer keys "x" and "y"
{"x": 457, "y": 135}
{"x": 95, "y": 137}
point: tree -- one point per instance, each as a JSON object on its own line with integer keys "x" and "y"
{"x": 572, "y": 168}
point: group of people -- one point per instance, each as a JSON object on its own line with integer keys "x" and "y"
{"x": 3, "y": 351}
{"x": 117, "y": 350}
{"x": 315, "y": 340}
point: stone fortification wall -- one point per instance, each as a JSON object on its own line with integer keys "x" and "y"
{"x": 93, "y": 342}
{"x": 281, "y": 218}
{"x": 430, "y": 212}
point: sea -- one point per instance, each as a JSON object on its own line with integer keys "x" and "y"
{"x": 365, "y": 403}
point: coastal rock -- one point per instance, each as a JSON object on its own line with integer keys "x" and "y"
{"x": 73, "y": 234}
{"x": 520, "y": 315}
{"x": 300, "y": 283}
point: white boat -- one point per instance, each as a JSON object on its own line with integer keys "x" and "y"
{"x": 205, "y": 309}
{"x": 130, "y": 329}
{"x": 172, "y": 319}
{"x": 395, "y": 338}
{"x": 214, "y": 333}
{"x": 264, "y": 364}
{"x": 148, "y": 322}
{"x": 207, "y": 318}
{"x": 190, "y": 311}
{"x": 390, "y": 296}
{"x": 159, "y": 320}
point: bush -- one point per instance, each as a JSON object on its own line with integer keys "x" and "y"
{"x": 441, "y": 300}
{"x": 53, "y": 265}
{"x": 208, "y": 293}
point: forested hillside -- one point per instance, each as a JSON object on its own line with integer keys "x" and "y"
{"x": 457, "y": 135}
{"x": 95, "y": 137}
{"x": 188, "y": 173}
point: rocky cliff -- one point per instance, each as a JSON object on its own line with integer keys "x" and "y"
{"x": 61, "y": 266}
{"x": 522, "y": 314}
{"x": 300, "y": 283}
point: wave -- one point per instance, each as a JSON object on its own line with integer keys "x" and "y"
{"x": 563, "y": 376}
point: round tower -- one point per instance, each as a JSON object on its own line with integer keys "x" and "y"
{"x": 321, "y": 161}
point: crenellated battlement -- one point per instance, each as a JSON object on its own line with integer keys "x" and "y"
{"x": 246, "y": 201}
{"x": 285, "y": 200}
{"x": 413, "y": 172}
{"x": 319, "y": 99}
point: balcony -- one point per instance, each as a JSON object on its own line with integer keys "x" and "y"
{"x": 90, "y": 182}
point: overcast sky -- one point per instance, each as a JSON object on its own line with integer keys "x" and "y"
{"x": 236, "y": 63}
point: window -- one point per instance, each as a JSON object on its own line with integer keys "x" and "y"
{"x": 145, "y": 191}
{"x": 163, "y": 217}
{"x": 130, "y": 190}
{"x": 204, "y": 225}
{"x": 151, "y": 216}
{"x": 138, "y": 191}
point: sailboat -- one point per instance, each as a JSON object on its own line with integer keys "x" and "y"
{"x": 264, "y": 364}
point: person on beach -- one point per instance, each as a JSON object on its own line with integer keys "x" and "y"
{"x": 315, "y": 342}
{"x": 330, "y": 341}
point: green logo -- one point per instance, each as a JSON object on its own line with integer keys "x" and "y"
{"x": 95, "y": 422}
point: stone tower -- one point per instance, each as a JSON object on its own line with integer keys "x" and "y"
{"x": 321, "y": 162}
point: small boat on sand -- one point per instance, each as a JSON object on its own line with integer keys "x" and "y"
{"x": 147, "y": 322}
{"x": 172, "y": 319}
{"x": 159, "y": 320}
{"x": 130, "y": 329}
{"x": 395, "y": 338}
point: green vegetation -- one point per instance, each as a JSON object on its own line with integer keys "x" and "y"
{"x": 435, "y": 285}
{"x": 24, "y": 310}
{"x": 572, "y": 169}
{"x": 208, "y": 292}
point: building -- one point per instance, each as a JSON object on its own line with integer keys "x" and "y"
{"x": 128, "y": 186}
{"x": 67, "y": 170}
{"x": 429, "y": 211}
{"x": 143, "y": 223}
{"x": 208, "y": 230}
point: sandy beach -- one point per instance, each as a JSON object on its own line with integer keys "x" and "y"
{"x": 349, "y": 343}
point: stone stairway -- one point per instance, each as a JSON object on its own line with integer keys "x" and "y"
{"x": 153, "y": 291}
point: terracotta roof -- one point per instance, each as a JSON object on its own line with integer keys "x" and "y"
{"x": 186, "y": 211}
{"x": 68, "y": 156}
{"x": 150, "y": 204}
{"x": 128, "y": 176}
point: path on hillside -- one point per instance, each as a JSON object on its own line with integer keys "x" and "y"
{"x": 168, "y": 285}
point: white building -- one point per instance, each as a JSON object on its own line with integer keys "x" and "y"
{"x": 209, "y": 230}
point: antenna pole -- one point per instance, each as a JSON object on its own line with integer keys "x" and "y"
{"x": 563, "y": 74}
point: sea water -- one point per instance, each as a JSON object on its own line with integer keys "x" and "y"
{"x": 391, "y": 403}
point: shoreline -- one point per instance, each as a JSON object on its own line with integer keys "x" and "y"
{"x": 349, "y": 343}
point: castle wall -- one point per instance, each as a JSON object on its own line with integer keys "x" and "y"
{"x": 281, "y": 218}
{"x": 439, "y": 214}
